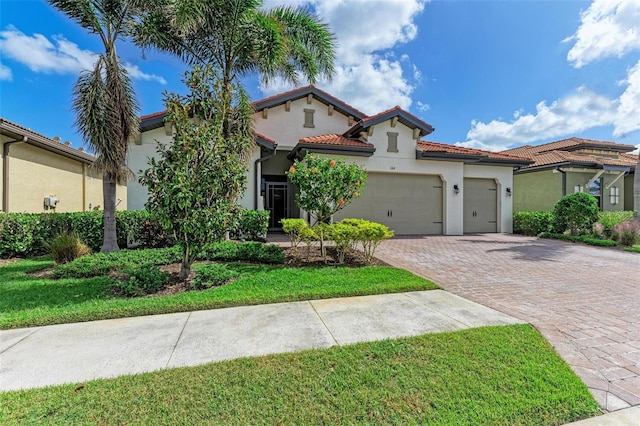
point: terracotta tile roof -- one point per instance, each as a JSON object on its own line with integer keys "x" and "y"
{"x": 404, "y": 117}
{"x": 563, "y": 157}
{"x": 300, "y": 92}
{"x": 153, "y": 115}
{"x": 427, "y": 146}
{"x": 337, "y": 140}
{"x": 570, "y": 144}
{"x": 265, "y": 138}
{"x": 576, "y": 151}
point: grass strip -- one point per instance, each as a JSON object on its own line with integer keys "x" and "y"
{"x": 505, "y": 375}
{"x": 27, "y": 301}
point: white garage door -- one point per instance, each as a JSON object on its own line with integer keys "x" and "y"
{"x": 408, "y": 204}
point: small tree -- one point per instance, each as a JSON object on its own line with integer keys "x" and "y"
{"x": 576, "y": 212}
{"x": 190, "y": 183}
{"x": 326, "y": 186}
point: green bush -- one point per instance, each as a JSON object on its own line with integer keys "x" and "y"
{"x": 369, "y": 234}
{"x": 142, "y": 281}
{"x": 26, "y": 234}
{"x": 532, "y": 223}
{"x": 252, "y": 225}
{"x": 250, "y": 251}
{"x": 99, "y": 264}
{"x": 609, "y": 219}
{"x": 575, "y": 212}
{"x": 212, "y": 275}
{"x": 345, "y": 237}
{"x": 67, "y": 247}
{"x": 295, "y": 229}
{"x": 627, "y": 233}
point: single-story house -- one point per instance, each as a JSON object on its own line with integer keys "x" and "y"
{"x": 414, "y": 186}
{"x": 46, "y": 175}
{"x": 603, "y": 169}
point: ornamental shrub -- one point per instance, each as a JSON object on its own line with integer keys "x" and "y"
{"x": 141, "y": 281}
{"x": 610, "y": 219}
{"x": 627, "y": 233}
{"x": 532, "y": 223}
{"x": 294, "y": 228}
{"x": 345, "y": 237}
{"x": 212, "y": 275}
{"x": 67, "y": 247}
{"x": 369, "y": 234}
{"x": 575, "y": 212}
{"x": 251, "y": 225}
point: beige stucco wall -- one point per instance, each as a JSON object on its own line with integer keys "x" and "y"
{"x": 35, "y": 173}
{"x": 288, "y": 127}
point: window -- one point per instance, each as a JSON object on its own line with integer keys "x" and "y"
{"x": 595, "y": 189}
{"x": 308, "y": 118}
{"x": 614, "y": 195}
{"x": 392, "y": 139}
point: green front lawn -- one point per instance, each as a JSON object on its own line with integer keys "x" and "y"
{"x": 486, "y": 376}
{"x": 27, "y": 301}
{"x": 634, "y": 249}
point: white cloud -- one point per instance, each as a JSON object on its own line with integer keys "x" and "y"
{"x": 627, "y": 118}
{"x": 572, "y": 114}
{"x": 607, "y": 28}
{"x": 59, "y": 56}
{"x": 5, "y": 73}
{"x": 367, "y": 76}
{"x": 423, "y": 107}
{"x": 135, "y": 73}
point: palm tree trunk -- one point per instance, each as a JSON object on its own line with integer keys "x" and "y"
{"x": 110, "y": 241}
{"x": 636, "y": 190}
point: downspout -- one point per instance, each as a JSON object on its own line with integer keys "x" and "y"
{"x": 564, "y": 181}
{"x": 5, "y": 172}
{"x": 258, "y": 177}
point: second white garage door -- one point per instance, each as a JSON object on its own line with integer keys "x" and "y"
{"x": 408, "y": 204}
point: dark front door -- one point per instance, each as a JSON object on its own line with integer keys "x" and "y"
{"x": 278, "y": 202}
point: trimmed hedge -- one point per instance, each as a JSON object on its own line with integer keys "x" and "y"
{"x": 580, "y": 238}
{"x": 532, "y": 223}
{"x": 27, "y": 234}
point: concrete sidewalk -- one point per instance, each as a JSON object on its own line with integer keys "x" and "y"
{"x": 68, "y": 353}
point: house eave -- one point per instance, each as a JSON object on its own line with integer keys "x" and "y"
{"x": 355, "y": 151}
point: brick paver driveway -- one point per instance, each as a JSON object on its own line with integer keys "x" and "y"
{"x": 584, "y": 300}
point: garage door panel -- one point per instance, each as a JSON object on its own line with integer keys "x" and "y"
{"x": 480, "y": 205}
{"x": 408, "y": 204}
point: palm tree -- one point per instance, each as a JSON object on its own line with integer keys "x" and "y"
{"x": 104, "y": 100}
{"x": 240, "y": 39}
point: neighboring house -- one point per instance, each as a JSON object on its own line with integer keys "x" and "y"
{"x": 45, "y": 175}
{"x": 414, "y": 186}
{"x": 603, "y": 169}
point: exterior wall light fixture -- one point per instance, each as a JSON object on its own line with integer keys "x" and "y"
{"x": 456, "y": 189}
{"x": 509, "y": 191}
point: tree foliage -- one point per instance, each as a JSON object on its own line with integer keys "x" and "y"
{"x": 576, "y": 212}
{"x": 191, "y": 181}
{"x": 325, "y": 185}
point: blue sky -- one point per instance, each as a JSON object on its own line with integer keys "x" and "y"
{"x": 485, "y": 74}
